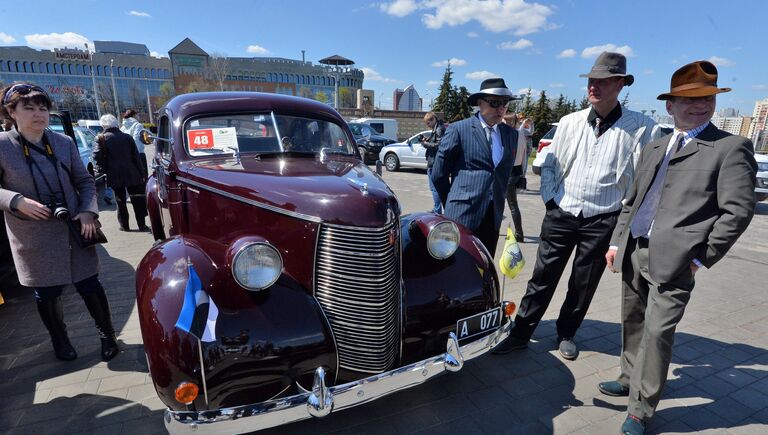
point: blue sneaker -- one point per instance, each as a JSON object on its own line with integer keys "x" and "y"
{"x": 633, "y": 426}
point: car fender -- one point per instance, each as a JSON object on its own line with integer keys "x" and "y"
{"x": 153, "y": 209}
{"x": 437, "y": 293}
{"x": 255, "y": 331}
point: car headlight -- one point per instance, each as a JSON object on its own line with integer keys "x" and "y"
{"x": 257, "y": 266}
{"x": 443, "y": 240}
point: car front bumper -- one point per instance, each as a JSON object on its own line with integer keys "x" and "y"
{"x": 322, "y": 400}
{"x": 761, "y": 188}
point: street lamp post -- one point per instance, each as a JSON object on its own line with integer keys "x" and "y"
{"x": 114, "y": 89}
{"x": 93, "y": 82}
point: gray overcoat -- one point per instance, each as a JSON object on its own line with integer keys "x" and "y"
{"x": 44, "y": 252}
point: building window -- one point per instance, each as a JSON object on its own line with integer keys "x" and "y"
{"x": 98, "y": 70}
{"x": 153, "y": 73}
{"x": 133, "y": 71}
{"x": 146, "y": 73}
{"x": 2, "y": 66}
{"x": 56, "y": 68}
{"x": 48, "y": 68}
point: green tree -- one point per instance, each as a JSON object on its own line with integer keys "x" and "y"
{"x": 321, "y": 97}
{"x": 584, "y": 104}
{"x": 541, "y": 116}
{"x": 462, "y": 109}
{"x": 561, "y": 108}
{"x": 526, "y": 106}
{"x": 443, "y": 101}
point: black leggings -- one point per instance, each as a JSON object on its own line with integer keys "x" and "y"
{"x": 86, "y": 286}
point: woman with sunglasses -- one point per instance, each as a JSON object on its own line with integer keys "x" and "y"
{"x": 42, "y": 184}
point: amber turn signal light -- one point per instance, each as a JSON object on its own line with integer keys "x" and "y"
{"x": 509, "y": 308}
{"x": 186, "y": 392}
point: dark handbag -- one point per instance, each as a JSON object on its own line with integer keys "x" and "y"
{"x": 75, "y": 227}
{"x": 522, "y": 183}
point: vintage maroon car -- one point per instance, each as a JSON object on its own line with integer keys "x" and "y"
{"x": 285, "y": 282}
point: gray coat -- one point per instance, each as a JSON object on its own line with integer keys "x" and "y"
{"x": 707, "y": 201}
{"x": 116, "y": 156}
{"x": 44, "y": 252}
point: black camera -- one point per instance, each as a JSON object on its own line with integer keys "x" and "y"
{"x": 61, "y": 212}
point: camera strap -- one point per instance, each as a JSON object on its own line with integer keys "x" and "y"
{"x": 48, "y": 153}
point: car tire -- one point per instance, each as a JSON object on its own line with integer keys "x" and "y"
{"x": 761, "y": 196}
{"x": 391, "y": 162}
{"x": 536, "y": 170}
{"x": 362, "y": 152}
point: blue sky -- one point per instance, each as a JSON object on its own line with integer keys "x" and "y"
{"x": 541, "y": 45}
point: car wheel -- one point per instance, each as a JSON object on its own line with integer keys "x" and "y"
{"x": 761, "y": 196}
{"x": 362, "y": 152}
{"x": 391, "y": 162}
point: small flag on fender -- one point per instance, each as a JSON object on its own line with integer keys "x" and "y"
{"x": 198, "y": 314}
{"x": 511, "y": 261}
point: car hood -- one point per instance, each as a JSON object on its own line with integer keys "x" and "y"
{"x": 373, "y": 138}
{"x": 336, "y": 190}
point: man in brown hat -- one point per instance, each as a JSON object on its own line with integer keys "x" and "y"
{"x": 583, "y": 180}
{"x": 691, "y": 200}
{"x": 474, "y": 161}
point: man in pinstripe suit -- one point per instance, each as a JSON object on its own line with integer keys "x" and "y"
{"x": 583, "y": 180}
{"x": 474, "y": 161}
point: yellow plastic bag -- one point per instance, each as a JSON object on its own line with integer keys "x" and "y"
{"x": 511, "y": 261}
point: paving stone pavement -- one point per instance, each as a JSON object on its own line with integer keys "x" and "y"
{"x": 718, "y": 381}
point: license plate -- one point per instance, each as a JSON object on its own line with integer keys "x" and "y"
{"x": 479, "y": 323}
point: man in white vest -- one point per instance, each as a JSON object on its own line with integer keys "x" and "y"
{"x": 583, "y": 181}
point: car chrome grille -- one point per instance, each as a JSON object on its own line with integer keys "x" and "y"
{"x": 357, "y": 282}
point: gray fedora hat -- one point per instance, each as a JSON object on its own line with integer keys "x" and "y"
{"x": 610, "y": 64}
{"x": 494, "y": 87}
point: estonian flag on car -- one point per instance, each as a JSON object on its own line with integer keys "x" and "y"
{"x": 198, "y": 314}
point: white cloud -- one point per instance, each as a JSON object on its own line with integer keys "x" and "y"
{"x": 374, "y": 76}
{"x": 453, "y": 61}
{"x": 568, "y": 52}
{"x": 596, "y": 50}
{"x": 433, "y": 83}
{"x": 760, "y": 87}
{"x": 556, "y": 85}
{"x": 520, "y": 44}
{"x": 139, "y": 14}
{"x": 480, "y": 75}
{"x": 472, "y": 35}
{"x": 256, "y": 49}
{"x": 516, "y": 16}
{"x": 6, "y": 38}
{"x": 57, "y": 40}
{"x": 399, "y": 8}
{"x": 522, "y": 92}
{"x": 721, "y": 61}
{"x": 155, "y": 54}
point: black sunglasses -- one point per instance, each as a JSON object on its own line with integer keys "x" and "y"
{"x": 22, "y": 89}
{"x": 497, "y": 103}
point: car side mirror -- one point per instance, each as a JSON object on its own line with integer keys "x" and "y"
{"x": 147, "y": 138}
{"x": 378, "y": 167}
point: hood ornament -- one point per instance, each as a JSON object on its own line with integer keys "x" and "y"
{"x": 363, "y": 186}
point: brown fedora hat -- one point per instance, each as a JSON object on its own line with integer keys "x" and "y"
{"x": 610, "y": 64}
{"x": 697, "y": 79}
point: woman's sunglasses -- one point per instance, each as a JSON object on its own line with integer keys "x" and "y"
{"x": 22, "y": 89}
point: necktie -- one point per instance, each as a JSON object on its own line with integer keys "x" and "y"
{"x": 489, "y": 135}
{"x": 598, "y": 121}
{"x": 645, "y": 215}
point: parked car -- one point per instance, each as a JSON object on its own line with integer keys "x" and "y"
{"x": 92, "y": 124}
{"x": 761, "y": 188}
{"x": 542, "y": 150}
{"x": 285, "y": 282}
{"x": 386, "y": 127}
{"x": 408, "y": 154}
{"x": 369, "y": 141}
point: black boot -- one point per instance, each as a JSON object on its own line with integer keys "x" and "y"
{"x": 52, "y": 314}
{"x": 98, "y": 307}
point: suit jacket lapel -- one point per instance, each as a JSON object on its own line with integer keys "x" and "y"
{"x": 482, "y": 140}
{"x": 705, "y": 138}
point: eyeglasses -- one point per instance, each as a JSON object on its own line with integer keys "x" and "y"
{"x": 497, "y": 103}
{"x": 22, "y": 89}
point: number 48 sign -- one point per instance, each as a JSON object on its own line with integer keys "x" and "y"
{"x": 200, "y": 139}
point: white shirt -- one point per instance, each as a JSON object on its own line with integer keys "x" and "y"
{"x": 497, "y": 151}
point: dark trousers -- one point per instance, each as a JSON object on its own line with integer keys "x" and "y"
{"x": 84, "y": 287}
{"x": 514, "y": 209}
{"x": 488, "y": 232}
{"x": 143, "y": 159}
{"x": 138, "y": 201}
{"x": 650, "y": 313}
{"x": 561, "y": 232}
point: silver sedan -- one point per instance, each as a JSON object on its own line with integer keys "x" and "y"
{"x": 408, "y": 154}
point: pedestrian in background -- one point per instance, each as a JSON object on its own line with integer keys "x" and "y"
{"x": 431, "y": 144}
{"x": 517, "y": 174}
{"x": 43, "y": 183}
{"x": 692, "y": 198}
{"x": 583, "y": 180}
{"x": 115, "y": 155}
{"x": 525, "y": 128}
{"x": 473, "y": 163}
{"x": 132, "y": 127}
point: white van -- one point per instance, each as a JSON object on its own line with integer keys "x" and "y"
{"x": 90, "y": 124}
{"x": 386, "y": 127}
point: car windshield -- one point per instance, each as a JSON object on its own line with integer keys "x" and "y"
{"x": 264, "y": 133}
{"x": 360, "y": 129}
{"x": 551, "y": 133}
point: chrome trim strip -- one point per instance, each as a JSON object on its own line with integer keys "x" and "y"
{"x": 248, "y": 418}
{"x": 252, "y": 202}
